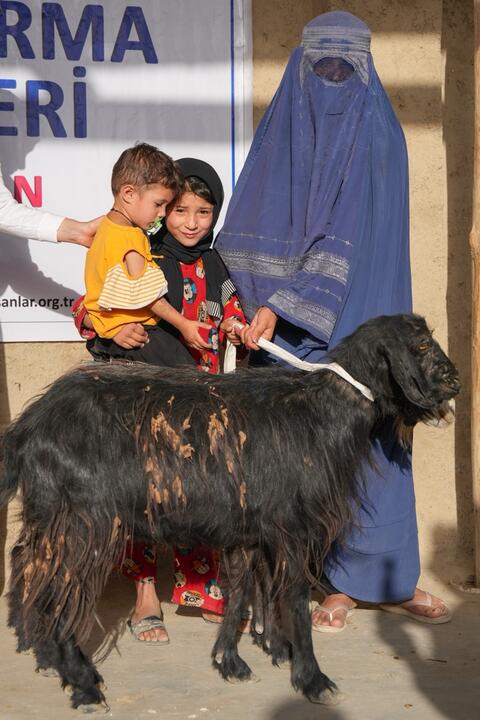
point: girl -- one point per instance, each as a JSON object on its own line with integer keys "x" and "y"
{"x": 198, "y": 282}
{"x": 199, "y": 288}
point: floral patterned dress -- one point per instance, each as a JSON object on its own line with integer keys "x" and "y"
{"x": 197, "y": 569}
{"x": 195, "y": 308}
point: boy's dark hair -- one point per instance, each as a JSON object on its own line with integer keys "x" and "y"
{"x": 197, "y": 186}
{"x": 145, "y": 164}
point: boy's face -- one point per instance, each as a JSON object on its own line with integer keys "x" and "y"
{"x": 189, "y": 219}
{"x": 149, "y": 203}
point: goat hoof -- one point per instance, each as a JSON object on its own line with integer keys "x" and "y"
{"x": 329, "y": 696}
{"x": 281, "y": 654}
{"x": 251, "y": 679}
{"x": 49, "y": 672}
{"x": 94, "y": 708}
{"x": 257, "y": 639}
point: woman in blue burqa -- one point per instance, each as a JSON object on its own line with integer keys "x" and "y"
{"x": 316, "y": 239}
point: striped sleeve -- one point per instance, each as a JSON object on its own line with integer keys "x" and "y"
{"x": 121, "y": 292}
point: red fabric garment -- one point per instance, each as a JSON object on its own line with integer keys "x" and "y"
{"x": 196, "y": 574}
{"x": 197, "y": 569}
{"x": 195, "y": 308}
{"x": 196, "y": 579}
{"x": 78, "y": 313}
{"x": 141, "y": 563}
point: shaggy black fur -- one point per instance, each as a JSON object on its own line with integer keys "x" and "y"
{"x": 262, "y": 464}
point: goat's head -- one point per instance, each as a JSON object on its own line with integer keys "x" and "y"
{"x": 410, "y": 376}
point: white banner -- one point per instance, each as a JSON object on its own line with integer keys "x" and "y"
{"x": 80, "y": 82}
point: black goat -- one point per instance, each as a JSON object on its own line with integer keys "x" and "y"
{"x": 263, "y": 464}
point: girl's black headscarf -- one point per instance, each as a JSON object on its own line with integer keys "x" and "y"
{"x": 168, "y": 252}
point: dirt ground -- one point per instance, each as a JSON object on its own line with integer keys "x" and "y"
{"x": 387, "y": 668}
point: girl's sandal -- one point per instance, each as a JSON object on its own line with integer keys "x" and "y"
{"x": 151, "y": 622}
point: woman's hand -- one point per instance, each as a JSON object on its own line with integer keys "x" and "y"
{"x": 262, "y": 325}
{"x": 80, "y": 233}
{"x": 131, "y": 335}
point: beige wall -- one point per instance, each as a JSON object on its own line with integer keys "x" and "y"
{"x": 423, "y": 53}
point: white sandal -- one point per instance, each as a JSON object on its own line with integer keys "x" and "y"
{"x": 331, "y": 612}
{"x": 402, "y": 609}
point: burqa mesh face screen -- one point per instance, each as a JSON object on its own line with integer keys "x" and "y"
{"x": 333, "y": 69}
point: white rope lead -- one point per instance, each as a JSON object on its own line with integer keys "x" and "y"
{"x": 229, "y": 363}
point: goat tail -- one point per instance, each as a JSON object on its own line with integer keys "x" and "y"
{"x": 59, "y": 572}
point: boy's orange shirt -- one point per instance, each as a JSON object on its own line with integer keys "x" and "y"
{"x": 106, "y": 276}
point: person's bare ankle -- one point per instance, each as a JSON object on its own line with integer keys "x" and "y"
{"x": 148, "y": 604}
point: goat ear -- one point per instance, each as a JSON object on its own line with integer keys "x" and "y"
{"x": 408, "y": 374}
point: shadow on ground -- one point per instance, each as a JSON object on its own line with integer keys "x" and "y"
{"x": 443, "y": 660}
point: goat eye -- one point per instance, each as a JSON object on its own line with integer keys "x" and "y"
{"x": 423, "y": 347}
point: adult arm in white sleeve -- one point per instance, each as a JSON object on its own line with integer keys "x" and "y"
{"x": 17, "y": 219}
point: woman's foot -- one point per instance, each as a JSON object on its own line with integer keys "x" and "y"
{"x": 423, "y": 607}
{"x": 147, "y": 608}
{"x": 331, "y": 616}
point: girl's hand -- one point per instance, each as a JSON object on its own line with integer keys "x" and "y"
{"x": 190, "y": 333}
{"x": 131, "y": 335}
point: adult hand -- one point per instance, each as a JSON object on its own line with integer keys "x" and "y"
{"x": 190, "y": 333}
{"x": 131, "y": 335}
{"x": 80, "y": 233}
{"x": 232, "y": 327}
{"x": 262, "y": 325}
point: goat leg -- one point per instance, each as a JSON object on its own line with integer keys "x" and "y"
{"x": 15, "y": 605}
{"x": 273, "y": 639}
{"x": 280, "y": 647}
{"x": 306, "y": 674}
{"x": 225, "y": 657}
{"x": 80, "y": 678}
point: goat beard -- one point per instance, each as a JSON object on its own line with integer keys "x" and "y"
{"x": 442, "y": 416}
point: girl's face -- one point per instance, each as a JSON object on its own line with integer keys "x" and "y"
{"x": 189, "y": 219}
